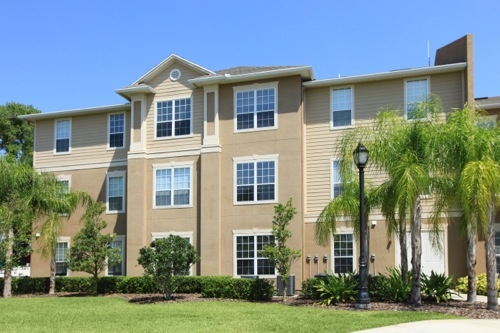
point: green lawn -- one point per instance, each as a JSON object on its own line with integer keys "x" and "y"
{"x": 115, "y": 314}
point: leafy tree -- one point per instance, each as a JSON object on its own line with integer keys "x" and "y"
{"x": 54, "y": 206}
{"x": 16, "y": 135}
{"x": 468, "y": 153}
{"x": 401, "y": 149}
{"x": 16, "y": 215}
{"x": 280, "y": 255}
{"x": 91, "y": 251}
{"x": 164, "y": 259}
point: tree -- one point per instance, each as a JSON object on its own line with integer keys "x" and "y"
{"x": 16, "y": 215}
{"x": 54, "y": 206}
{"x": 91, "y": 251}
{"x": 401, "y": 149}
{"x": 278, "y": 253}
{"x": 467, "y": 151}
{"x": 16, "y": 135}
{"x": 164, "y": 259}
{"x": 346, "y": 205}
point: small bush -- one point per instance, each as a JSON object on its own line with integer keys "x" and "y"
{"x": 437, "y": 286}
{"x": 481, "y": 285}
{"x": 391, "y": 287}
{"x": 337, "y": 288}
{"x": 309, "y": 288}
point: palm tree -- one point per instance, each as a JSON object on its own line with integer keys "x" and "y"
{"x": 16, "y": 214}
{"x": 401, "y": 150}
{"x": 469, "y": 152}
{"x": 56, "y": 205}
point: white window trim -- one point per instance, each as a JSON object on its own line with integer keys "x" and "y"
{"x": 156, "y": 101}
{"x": 183, "y": 234}
{"x": 255, "y": 159}
{"x": 331, "y": 108}
{"x": 406, "y": 94}
{"x": 122, "y": 263}
{"x": 65, "y": 239}
{"x": 116, "y": 174}
{"x": 332, "y": 178}
{"x": 256, "y": 86}
{"x": 124, "y": 129}
{"x": 249, "y": 232}
{"x": 173, "y": 165}
{"x": 55, "y": 136}
{"x": 346, "y": 231}
{"x": 62, "y": 178}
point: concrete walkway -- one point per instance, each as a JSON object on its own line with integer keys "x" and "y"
{"x": 444, "y": 326}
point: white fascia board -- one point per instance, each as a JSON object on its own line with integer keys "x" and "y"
{"x": 165, "y": 63}
{"x": 304, "y": 71}
{"x": 75, "y": 112}
{"x": 386, "y": 75}
{"x": 127, "y": 92}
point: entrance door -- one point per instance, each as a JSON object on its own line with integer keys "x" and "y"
{"x": 432, "y": 258}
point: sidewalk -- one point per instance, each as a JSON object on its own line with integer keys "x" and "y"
{"x": 444, "y": 326}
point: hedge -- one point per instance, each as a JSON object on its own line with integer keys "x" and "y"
{"x": 208, "y": 286}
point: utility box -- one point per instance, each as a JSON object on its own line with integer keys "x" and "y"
{"x": 290, "y": 286}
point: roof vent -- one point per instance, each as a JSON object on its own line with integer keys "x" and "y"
{"x": 175, "y": 74}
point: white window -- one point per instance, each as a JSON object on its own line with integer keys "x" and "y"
{"x": 337, "y": 187}
{"x": 118, "y": 269}
{"x": 255, "y": 180}
{"x": 342, "y": 111}
{"x": 173, "y": 118}
{"x": 248, "y": 259}
{"x": 61, "y": 258}
{"x": 172, "y": 185}
{"x": 116, "y": 128}
{"x": 255, "y": 107}
{"x": 186, "y": 235}
{"x": 488, "y": 121}
{"x": 65, "y": 182}
{"x": 62, "y": 136}
{"x": 115, "y": 202}
{"x": 417, "y": 91}
{"x": 343, "y": 253}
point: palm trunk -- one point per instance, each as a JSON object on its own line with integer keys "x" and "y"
{"x": 491, "y": 265}
{"x": 416, "y": 257}
{"x": 52, "y": 279}
{"x": 403, "y": 251}
{"x": 7, "y": 283}
{"x": 471, "y": 263}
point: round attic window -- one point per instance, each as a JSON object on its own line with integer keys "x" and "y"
{"x": 175, "y": 74}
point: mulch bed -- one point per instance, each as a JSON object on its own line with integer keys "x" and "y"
{"x": 460, "y": 308}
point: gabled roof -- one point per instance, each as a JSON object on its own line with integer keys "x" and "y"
{"x": 167, "y": 62}
{"x": 486, "y": 103}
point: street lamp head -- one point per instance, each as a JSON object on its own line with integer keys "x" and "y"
{"x": 360, "y": 155}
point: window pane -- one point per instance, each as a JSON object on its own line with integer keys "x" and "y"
{"x": 342, "y": 107}
{"x": 416, "y": 92}
{"x": 116, "y": 270}
{"x": 255, "y": 108}
{"x": 343, "y": 253}
{"x": 62, "y": 145}
{"x": 248, "y": 259}
{"x": 336, "y": 179}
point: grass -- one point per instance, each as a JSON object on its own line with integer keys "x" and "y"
{"x": 115, "y": 314}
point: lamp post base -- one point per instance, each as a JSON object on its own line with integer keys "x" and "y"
{"x": 363, "y": 306}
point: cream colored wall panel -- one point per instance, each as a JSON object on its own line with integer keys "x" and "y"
{"x": 89, "y": 139}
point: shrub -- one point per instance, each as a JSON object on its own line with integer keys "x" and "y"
{"x": 391, "y": 287}
{"x": 309, "y": 289}
{"x": 229, "y": 287}
{"x": 337, "y": 288}
{"x": 437, "y": 286}
{"x": 481, "y": 285}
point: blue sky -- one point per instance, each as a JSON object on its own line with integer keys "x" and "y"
{"x": 60, "y": 55}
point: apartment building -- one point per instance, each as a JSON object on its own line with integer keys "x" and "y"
{"x": 208, "y": 154}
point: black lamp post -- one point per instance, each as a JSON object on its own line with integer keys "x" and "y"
{"x": 360, "y": 156}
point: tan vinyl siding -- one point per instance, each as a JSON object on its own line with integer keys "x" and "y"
{"x": 89, "y": 140}
{"x": 369, "y": 98}
{"x": 168, "y": 90}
